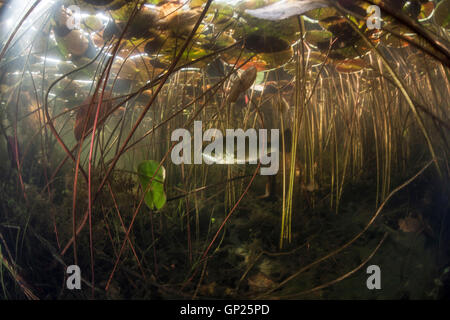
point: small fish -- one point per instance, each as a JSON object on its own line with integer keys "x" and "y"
{"x": 179, "y": 22}
{"x": 410, "y": 225}
{"x": 242, "y": 84}
{"x": 83, "y": 114}
{"x": 228, "y": 158}
{"x": 249, "y": 157}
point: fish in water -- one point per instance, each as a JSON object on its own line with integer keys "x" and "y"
{"x": 229, "y": 158}
{"x": 242, "y": 84}
{"x": 250, "y": 156}
{"x": 86, "y": 114}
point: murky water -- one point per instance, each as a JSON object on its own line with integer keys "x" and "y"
{"x": 224, "y": 149}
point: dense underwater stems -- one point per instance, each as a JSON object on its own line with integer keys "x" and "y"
{"x": 230, "y": 213}
{"x": 377, "y": 156}
{"x": 228, "y": 216}
{"x": 50, "y": 120}
{"x": 79, "y": 168}
{"x": 336, "y": 169}
{"x": 105, "y": 73}
{"x": 91, "y": 246}
{"x": 437, "y": 44}
{"x": 214, "y": 89}
{"x": 403, "y": 90}
{"x": 12, "y": 268}
{"x": 141, "y": 117}
{"x": 350, "y": 242}
{"x": 155, "y": 94}
{"x": 300, "y": 96}
{"x": 124, "y": 228}
{"x": 44, "y": 143}
{"x": 128, "y": 231}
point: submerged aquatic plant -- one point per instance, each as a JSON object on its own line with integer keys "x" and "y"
{"x": 151, "y": 177}
{"x": 360, "y": 110}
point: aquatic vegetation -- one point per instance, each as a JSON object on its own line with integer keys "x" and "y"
{"x": 86, "y": 114}
{"x": 151, "y": 177}
{"x": 91, "y": 90}
{"x": 242, "y": 84}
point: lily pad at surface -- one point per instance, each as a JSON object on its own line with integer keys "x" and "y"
{"x": 287, "y": 8}
{"x": 442, "y": 14}
{"x": 155, "y": 197}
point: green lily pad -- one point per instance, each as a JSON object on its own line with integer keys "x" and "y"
{"x": 93, "y": 23}
{"x": 155, "y": 197}
{"x": 321, "y": 13}
{"x": 442, "y": 14}
{"x": 319, "y": 38}
{"x": 426, "y": 10}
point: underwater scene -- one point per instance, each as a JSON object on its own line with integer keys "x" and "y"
{"x": 224, "y": 149}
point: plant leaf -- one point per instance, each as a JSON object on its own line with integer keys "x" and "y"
{"x": 155, "y": 196}
{"x": 287, "y": 8}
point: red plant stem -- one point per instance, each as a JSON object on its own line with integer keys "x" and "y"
{"x": 151, "y": 179}
{"x": 215, "y": 87}
{"x": 223, "y": 224}
{"x": 99, "y": 105}
{"x": 158, "y": 89}
{"x": 90, "y": 181}
{"x": 155, "y": 260}
{"x": 17, "y": 160}
{"x": 132, "y": 95}
{"x": 77, "y": 168}
{"x": 125, "y": 229}
{"x": 141, "y": 117}
{"x": 231, "y": 212}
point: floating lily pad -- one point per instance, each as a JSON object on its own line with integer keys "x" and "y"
{"x": 285, "y": 9}
{"x": 197, "y": 3}
{"x": 254, "y": 4}
{"x": 426, "y": 10}
{"x": 93, "y": 23}
{"x": 265, "y": 44}
{"x": 316, "y": 58}
{"x": 105, "y": 4}
{"x": 318, "y": 37}
{"x": 321, "y": 13}
{"x": 155, "y": 196}
{"x": 339, "y": 27}
{"x": 442, "y": 14}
